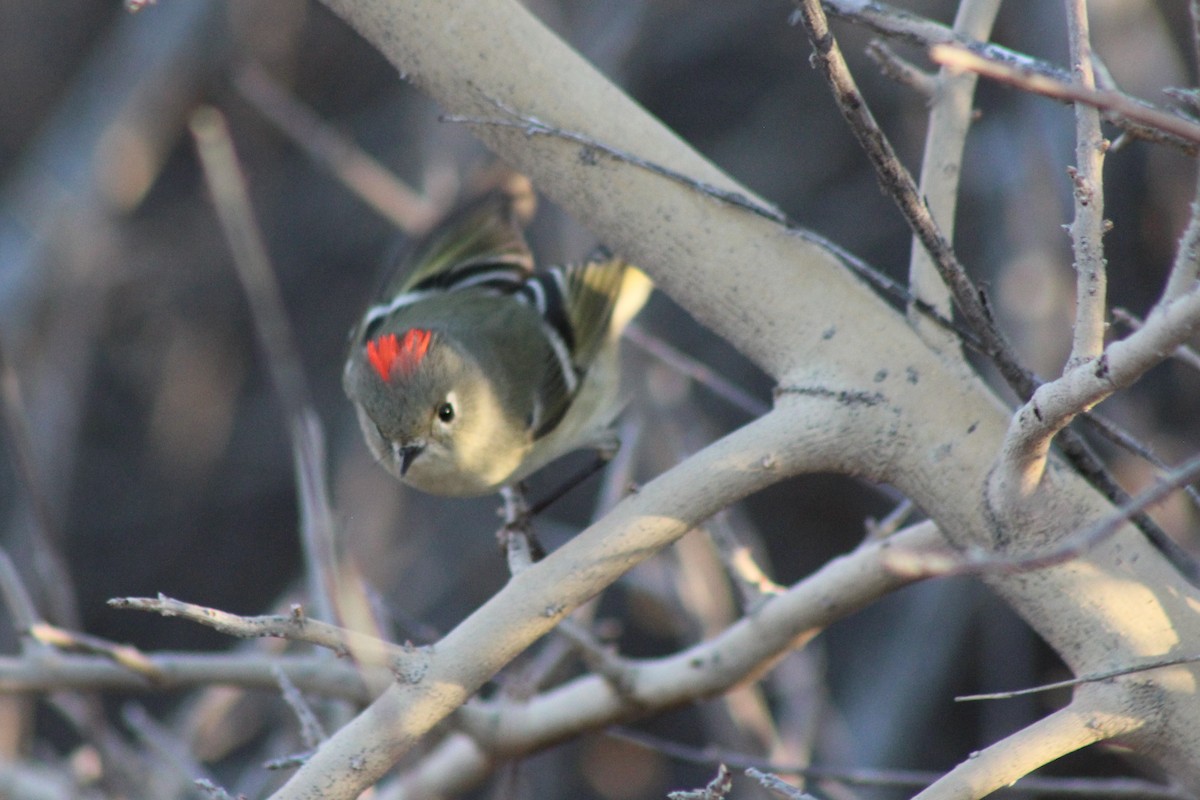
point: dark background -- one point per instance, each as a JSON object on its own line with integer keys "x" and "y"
{"x": 162, "y": 457}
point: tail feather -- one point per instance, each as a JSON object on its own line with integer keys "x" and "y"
{"x": 636, "y": 287}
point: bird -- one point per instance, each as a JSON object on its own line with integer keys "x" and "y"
{"x": 473, "y": 369}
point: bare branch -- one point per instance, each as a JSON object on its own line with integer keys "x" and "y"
{"x": 1187, "y": 257}
{"x": 902, "y": 71}
{"x": 735, "y": 655}
{"x": 1124, "y": 788}
{"x": 16, "y": 596}
{"x": 941, "y": 166}
{"x": 295, "y": 627}
{"x": 312, "y": 732}
{"x": 943, "y": 561}
{"x": 1109, "y": 100}
{"x": 777, "y": 786}
{"x": 693, "y": 368}
{"x": 45, "y": 537}
{"x": 717, "y": 789}
{"x": 250, "y": 257}
{"x": 921, "y": 32}
{"x": 1184, "y": 353}
{"x": 1055, "y": 404}
{"x": 1036, "y": 745}
{"x": 539, "y": 597}
{"x": 1091, "y": 677}
{"x": 124, "y": 655}
{"x": 898, "y": 183}
{"x": 1087, "y": 230}
{"x": 356, "y": 169}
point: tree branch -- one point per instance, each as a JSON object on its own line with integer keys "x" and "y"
{"x": 1087, "y": 230}
{"x": 538, "y": 597}
{"x": 941, "y": 165}
{"x": 1052, "y": 737}
{"x": 1109, "y": 100}
{"x": 901, "y": 25}
{"x": 505, "y": 729}
{"x": 1027, "y": 445}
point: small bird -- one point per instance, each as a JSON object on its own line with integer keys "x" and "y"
{"x": 473, "y": 371}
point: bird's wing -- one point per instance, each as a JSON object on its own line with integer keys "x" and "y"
{"x": 481, "y": 244}
{"x": 575, "y": 304}
{"x": 481, "y": 241}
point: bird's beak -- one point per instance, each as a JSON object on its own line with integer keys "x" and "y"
{"x": 408, "y": 454}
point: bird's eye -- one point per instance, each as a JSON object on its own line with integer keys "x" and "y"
{"x": 445, "y": 412}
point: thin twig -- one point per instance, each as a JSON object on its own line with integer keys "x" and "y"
{"x": 163, "y": 742}
{"x": 599, "y": 657}
{"x": 46, "y": 543}
{"x": 50, "y": 672}
{"x": 896, "y": 778}
{"x": 127, "y": 656}
{"x": 881, "y": 529}
{"x": 204, "y": 784}
{"x": 900, "y": 70}
{"x": 752, "y": 581}
{"x": 521, "y": 547}
{"x": 950, "y": 118}
{"x": 250, "y": 257}
{"x": 1074, "y": 546}
{"x": 956, "y": 57}
{"x": 1092, "y": 677}
{"x": 294, "y": 627}
{"x": 717, "y": 789}
{"x": 898, "y": 183}
{"x": 945, "y": 562}
{"x": 778, "y": 786}
{"x": 16, "y": 597}
{"x": 910, "y": 28}
{"x": 695, "y": 369}
{"x": 1184, "y": 270}
{"x": 1056, "y": 404}
{"x": 532, "y": 126}
{"x": 312, "y": 732}
{"x": 354, "y": 167}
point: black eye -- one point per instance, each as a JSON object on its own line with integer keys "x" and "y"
{"x": 445, "y": 412}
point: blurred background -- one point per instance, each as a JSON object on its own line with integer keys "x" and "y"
{"x": 160, "y": 456}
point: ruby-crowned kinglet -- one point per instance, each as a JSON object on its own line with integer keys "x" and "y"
{"x": 472, "y": 371}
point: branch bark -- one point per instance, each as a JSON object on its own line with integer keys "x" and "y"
{"x": 1087, "y": 230}
{"x": 941, "y": 166}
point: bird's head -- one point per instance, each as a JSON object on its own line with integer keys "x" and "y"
{"x": 429, "y": 413}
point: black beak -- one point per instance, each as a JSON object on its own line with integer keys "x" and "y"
{"x": 407, "y": 455}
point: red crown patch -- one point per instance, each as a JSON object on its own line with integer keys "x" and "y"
{"x": 387, "y": 353}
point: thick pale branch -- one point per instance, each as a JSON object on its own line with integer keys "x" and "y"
{"x": 1065, "y": 731}
{"x": 1055, "y": 404}
{"x": 1087, "y": 230}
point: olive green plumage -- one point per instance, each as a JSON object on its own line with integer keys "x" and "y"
{"x": 473, "y": 371}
